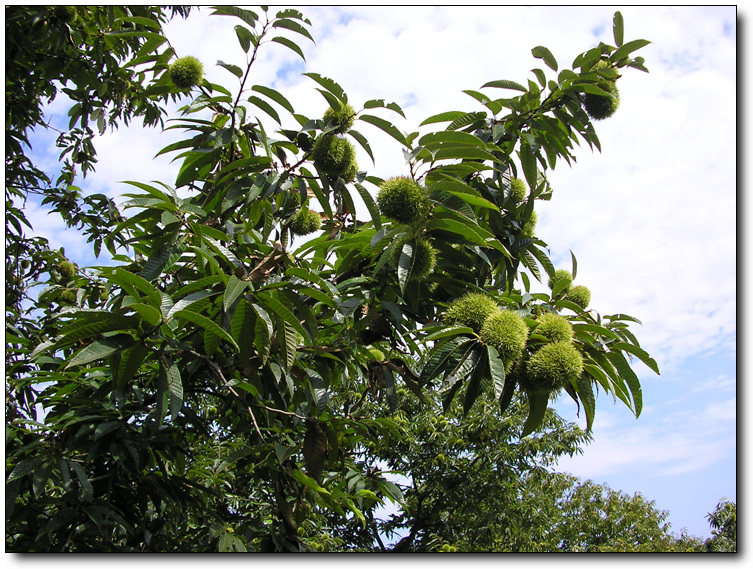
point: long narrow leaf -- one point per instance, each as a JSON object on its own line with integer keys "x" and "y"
{"x": 206, "y": 324}
{"x": 101, "y": 349}
{"x": 496, "y": 370}
{"x": 537, "y": 406}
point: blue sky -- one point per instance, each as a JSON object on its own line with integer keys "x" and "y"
{"x": 651, "y": 219}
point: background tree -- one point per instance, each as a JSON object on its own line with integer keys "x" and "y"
{"x": 212, "y": 386}
{"x": 723, "y": 522}
{"x": 471, "y": 484}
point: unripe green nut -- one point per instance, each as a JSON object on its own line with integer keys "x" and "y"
{"x": 186, "y": 72}
{"x": 294, "y": 198}
{"x": 580, "y": 295}
{"x": 559, "y": 275}
{"x": 402, "y": 199}
{"x": 552, "y": 367}
{"x": 336, "y": 157}
{"x": 61, "y": 14}
{"x": 68, "y": 296}
{"x": 506, "y": 332}
{"x": 424, "y": 257}
{"x": 66, "y": 269}
{"x": 530, "y": 226}
{"x": 471, "y": 310}
{"x": 376, "y": 354}
{"x": 518, "y": 190}
{"x": 600, "y": 107}
{"x": 343, "y": 117}
{"x": 554, "y": 327}
{"x": 305, "y": 221}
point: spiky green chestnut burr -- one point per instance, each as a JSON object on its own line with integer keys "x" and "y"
{"x": 560, "y": 275}
{"x": 402, "y": 199}
{"x": 424, "y": 257}
{"x": 376, "y": 354}
{"x": 580, "y": 295}
{"x": 554, "y": 327}
{"x": 518, "y": 190}
{"x": 343, "y": 117}
{"x": 305, "y": 221}
{"x": 68, "y": 296}
{"x": 506, "y": 332}
{"x": 552, "y": 367}
{"x": 66, "y": 269}
{"x": 471, "y": 310}
{"x": 600, "y": 107}
{"x": 61, "y": 14}
{"x": 530, "y": 226}
{"x": 186, "y": 72}
{"x": 336, "y": 157}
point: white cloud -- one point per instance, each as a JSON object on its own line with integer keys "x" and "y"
{"x": 667, "y": 444}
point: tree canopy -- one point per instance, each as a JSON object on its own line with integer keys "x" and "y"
{"x": 218, "y": 384}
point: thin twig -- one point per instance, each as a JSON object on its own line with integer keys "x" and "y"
{"x": 218, "y": 371}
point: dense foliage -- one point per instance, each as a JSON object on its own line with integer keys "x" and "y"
{"x": 215, "y": 387}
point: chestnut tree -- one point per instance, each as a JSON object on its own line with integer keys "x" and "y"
{"x": 217, "y": 385}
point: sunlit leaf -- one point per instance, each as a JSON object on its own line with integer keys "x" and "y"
{"x": 627, "y": 48}
{"x": 540, "y": 52}
{"x": 505, "y": 84}
{"x": 618, "y": 27}
{"x": 386, "y": 126}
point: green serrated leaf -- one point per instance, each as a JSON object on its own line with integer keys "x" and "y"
{"x": 405, "y": 264}
{"x": 386, "y": 126}
{"x": 627, "y": 49}
{"x": 628, "y": 375}
{"x": 537, "y": 406}
{"x": 275, "y": 96}
{"x": 541, "y": 52}
{"x": 444, "y": 117}
{"x": 292, "y": 26}
{"x": 235, "y": 287}
{"x": 246, "y": 15}
{"x": 187, "y": 301}
{"x": 266, "y": 107}
{"x": 174, "y": 387}
{"x": 101, "y": 349}
{"x": 637, "y": 352}
{"x": 496, "y": 370}
{"x": 361, "y": 139}
{"x": 206, "y": 324}
{"x": 528, "y": 161}
{"x": 473, "y": 390}
{"x": 106, "y": 428}
{"x": 234, "y": 69}
{"x": 442, "y": 357}
{"x": 618, "y": 29}
{"x": 371, "y": 205}
{"x": 505, "y": 84}
{"x": 245, "y": 37}
{"x": 25, "y": 467}
{"x": 330, "y": 85}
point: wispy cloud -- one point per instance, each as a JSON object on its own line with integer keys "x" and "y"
{"x": 666, "y": 444}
